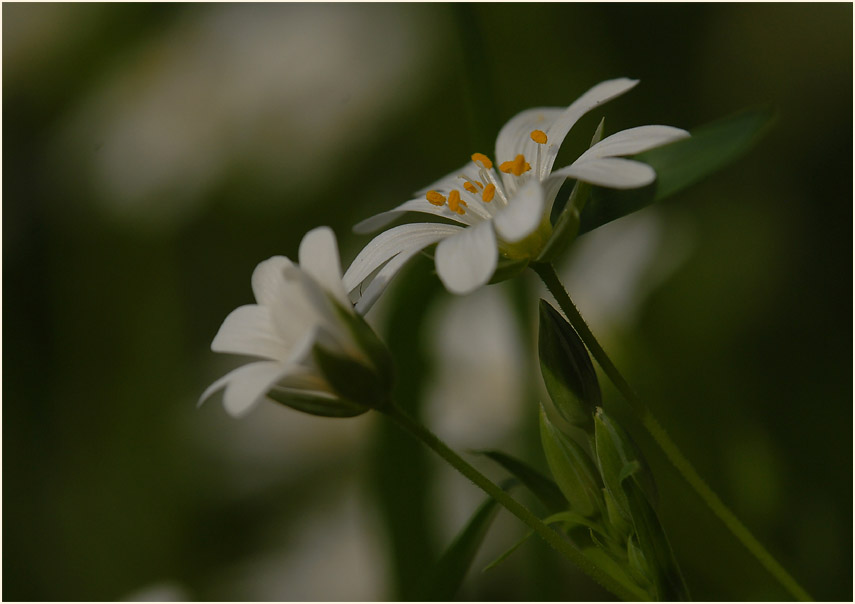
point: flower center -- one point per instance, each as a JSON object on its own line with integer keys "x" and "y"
{"x": 478, "y": 195}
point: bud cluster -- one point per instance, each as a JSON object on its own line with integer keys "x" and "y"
{"x": 609, "y": 489}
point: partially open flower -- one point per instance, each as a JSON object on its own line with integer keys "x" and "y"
{"x": 314, "y": 352}
{"x": 503, "y": 210}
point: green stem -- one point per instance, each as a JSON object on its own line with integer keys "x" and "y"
{"x": 547, "y": 273}
{"x": 512, "y": 505}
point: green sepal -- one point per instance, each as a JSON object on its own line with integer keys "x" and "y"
{"x": 567, "y": 370}
{"x": 571, "y": 520}
{"x": 680, "y": 164}
{"x": 442, "y": 581}
{"x": 630, "y": 483}
{"x": 616, "y": 571}
{"x": 572, "y": 469}
{"x": 350, "y": 379}
{"x": 566, "y": 227}
{"x": 508, "y": 268}
{"x": 619, "y": 461}
{"x": 368, "y": 342}
{"x": 543, "y": 488}
{"x": 619, "y": 525}
{"x": 316, "y": 405}
{"x": 637, "y": 564}
{"x": 659, "y": 562}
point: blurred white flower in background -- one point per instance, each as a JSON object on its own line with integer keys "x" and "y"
{"x": 335, "y": 554}
{"x": 613, "y": 269}
{"x": 165, "y": 591}
{"x": 281, "y": 91}
{"x": 475, "y": 398}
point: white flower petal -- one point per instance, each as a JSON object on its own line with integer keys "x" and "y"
{"x": 303, "y": 302}
{"x": 267, "y": 279}
{"x": 634, "y": 140}
{"x": 382, "y": 278}
{"x": 421, "y": 204}
{"x": 320, "y": 316}
{"x": 249, "y": 330}
{"x": 467, "y": 260}
{"x": 515, "y": 136}
{"x": 403, "y": 238}
{"x": 612, "y": 172}
{"x": 599, "y": 94}
{"x": 319, "y": 258}
{"x": 523, "y": 214}
{"x": 551, "y": 187}
{"x": 246, "y": 385}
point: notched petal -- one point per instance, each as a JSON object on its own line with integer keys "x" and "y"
{"x": 523, "y": 214}
{"x": 466, "y": 261}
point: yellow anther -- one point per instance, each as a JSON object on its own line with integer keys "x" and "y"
{"x": 485, "y": 161}
{"x": 539, "y": 136}
{"x": 470, "y": 187}
{"x": 435, "y": 198}
{"x": 516, "y": 167}
{"x": 454, "y": 201}
{"x": 489, "y": 192}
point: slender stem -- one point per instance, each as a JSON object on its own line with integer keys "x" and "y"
{"x": 512, "y": 505}
{"x": 547, "y": 273}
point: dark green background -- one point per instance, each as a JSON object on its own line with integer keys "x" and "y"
{"x": 111, "y": 480}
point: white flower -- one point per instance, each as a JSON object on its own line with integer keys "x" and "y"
{"x": 506, "y": 211}
{"x": 299, "y": 310}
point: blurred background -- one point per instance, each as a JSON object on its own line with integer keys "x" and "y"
{"x": 154, "y": 154}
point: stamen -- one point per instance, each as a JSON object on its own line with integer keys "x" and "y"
{"x": 539, "y": 136}
{"x": 516, "y": 167}
{"x": 435, "y": 198}
{"x": 470, "y": 187}
{"x": 489, "y": 192}
{"x": 485, "y": 161}
{"x": 454, "y": 201}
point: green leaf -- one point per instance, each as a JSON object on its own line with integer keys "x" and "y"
{"x": 680, "y": 164}
{"x": 572, "y": 469}
{"x": 508, "y": 552}
{"x": 543, "y": 488}
{"x": 316, "y": 405}
{"x": 569, "y": 519}
{"x": 442, "y": 581}
{"x": 567, "y": 370}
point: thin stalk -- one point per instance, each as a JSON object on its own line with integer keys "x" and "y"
{"x": 509, "y": 503}
{"x": 547, "y": 273}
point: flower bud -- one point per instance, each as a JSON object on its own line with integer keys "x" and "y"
{"x": 567, "y": 370}
{"x": 572, "y": 469}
